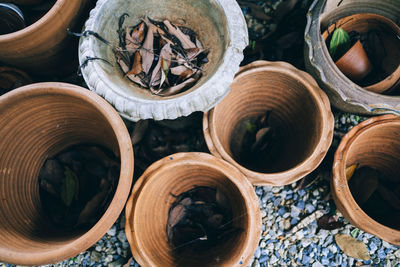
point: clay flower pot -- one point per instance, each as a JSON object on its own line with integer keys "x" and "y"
{"x": 299, "y": 108}
{"x": 151, "y": 198}
{"x": 38, "y": 121}
{"x": 372, "y": 143}
{"x": 342, "y": 92}
{"x": 44, "y": 48}
{"x": 220, "y": 27}
{"x": 355, "y": 63}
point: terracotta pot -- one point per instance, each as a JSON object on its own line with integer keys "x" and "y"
{"x": 11, "y": 78}
{"x": 151, "y": 198}
{"x": 343, "y": 93}
{"x": 355, "y": 63}
{"x": 363, "y": 23}
{"x": 374, "y": 143}
{"x": 300, "y": 109}
{"x": 38, "y": 121}
{"x": 222, "y": 31}
{"x": 44, "y": 48}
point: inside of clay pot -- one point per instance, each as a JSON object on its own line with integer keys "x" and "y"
{"x": 295, "y": 117}
{"x": 206, "y": 18}
{"x": 375, "y": 31}
{"x": 152, "y": 209}
{"x": 379, "y": 148}
{"x": 34, "y": 128}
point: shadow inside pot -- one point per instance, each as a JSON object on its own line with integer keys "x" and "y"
{"x": 379, "y": 149}
{"x": 293, "y": 117}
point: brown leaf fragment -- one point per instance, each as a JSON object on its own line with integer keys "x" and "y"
{"x": 178, "y": 70}
{"x": 263, "y": 138}
{"x": 329, "y": 222}
{"x": 139, "y": 131}
{"x": 183, "y": 38}
{"x": 148, "y": 47}
{"x": 176, "y": 214}
{"x": 178, "y": 88}
{"x": 138, "y": 80}
{"x": 137, "y": 35}
{"x": 198, "y": 44}
{"x": 350, "y": 171}
{"x": 137, "y": 64}
{"x": 123, "y": 60}
{"x": 193, "y": 52}
{"x": 156, "y": 75}
{"x": 363, "y": 184}
{"x": 91, "y": 208}
{"x": 352, "y": 247}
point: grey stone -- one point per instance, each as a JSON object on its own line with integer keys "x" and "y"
{"x": 95, "y": 256}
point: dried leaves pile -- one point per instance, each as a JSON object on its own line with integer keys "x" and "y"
{"x": 160, "y": 56}
{"x": 77, "y": 185}
{"x": 377, "y": 194}
{"x": 199, "y": 219}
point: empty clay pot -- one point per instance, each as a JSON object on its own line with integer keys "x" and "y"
{"x": 152, "y": 196}
{"x": 342, "y": 92}
{"x": 374, "y": 143}
{"x": 355, "y": 63}
{"x": 362, "y": 23}
{"x": 44, "y": 48}
{"x": 300, "y": 111}
{"x": 38, "y": 121}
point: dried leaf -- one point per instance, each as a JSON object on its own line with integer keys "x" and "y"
{"x": 350, "y": 171}
{"x": 123, "y": 60}
{"x": 178, "y": 88}
{"x": 136, "y": 37}
{"x": 156, "y": 75}
{"x": 329, "y": 222}
{"x": 192, "y": 53}
{"x": 91, "y": 208}
{"x": 352, "y": 247}
{"x": 138, "y": 80}
{"x": 263, "y": 138}
{"x": 68, "y": 187}
{"x": 138, "y": 131}
{"x": 176, "y": 214}
{"x": 147, "y": 49}
{"x": 178, "y": 70}
{"x": 183, "y": 38}
{"x": 137, "y": 64}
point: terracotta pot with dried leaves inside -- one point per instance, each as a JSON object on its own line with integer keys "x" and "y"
{"x": 38, "y": 121}
{"x": 300, "y": 116}
{"x": 375, "y": 144}
{"x": 44, "y": 48}
{"x": 153, "y": 194}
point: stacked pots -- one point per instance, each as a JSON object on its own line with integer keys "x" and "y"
{"x": 38, "y": 121}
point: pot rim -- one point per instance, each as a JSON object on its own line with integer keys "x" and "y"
{"x": 31, "y": 29}
{"x": 124, "y": 184}
{"x": 340, "y": 189}
{"x": 303, "y": 168}
{"x": 205, "y": 160}
{"x": 203, "y": 98}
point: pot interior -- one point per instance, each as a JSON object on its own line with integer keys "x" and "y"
{"x": 152, "y": 209}
{"x": 33, "y": 128}
{"x": 378, "y": 147}
{"x": 205, "y": 18}
{"x": 295, "y": 118}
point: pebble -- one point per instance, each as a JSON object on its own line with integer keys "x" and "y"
{"x": 112, "y": 231}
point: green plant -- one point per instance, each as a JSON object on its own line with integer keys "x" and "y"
{"x": 340, "y": 43}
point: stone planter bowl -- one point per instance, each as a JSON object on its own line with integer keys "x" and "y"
{"x": 44, "y": 48}
{"x": 300, "y": 109}
{"x": 38, "y": 121}
{"x": 220, "y": 26}
{"x": 374, "y": 143}
{"x": 342, "y": 92}
{"x": 151, "y": 198}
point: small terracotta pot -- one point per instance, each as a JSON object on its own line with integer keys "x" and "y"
{"x": 299, "y": 108}
{"x": 151, "y": 198}
{"x": 374, "y": 143}
{"x": 44, "y": 48}
{"x": 355, "y": 63}
{"x": 11, "y": 78}
{"x": 37, "y": 121}
{"x": 363, "y": 23}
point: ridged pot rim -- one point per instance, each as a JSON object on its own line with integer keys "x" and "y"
{"x": 124, "y": 184}
{"x": 300, "y": 170}
{"x": 340, "y": 189}
{"x": 203, "y": 98}
{"x": 209, "y": 161}
{"x": 354, "y": 98}
{"x": 40, "y": 23}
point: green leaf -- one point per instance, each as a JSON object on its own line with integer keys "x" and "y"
{"x": 68, "y": 187}
{"x": 251, "y": 127}
{"x": 339, "y": 44}
{"x": 355, "y": 232}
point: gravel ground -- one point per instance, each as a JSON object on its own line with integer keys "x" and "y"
{"x": 281, "y": 242}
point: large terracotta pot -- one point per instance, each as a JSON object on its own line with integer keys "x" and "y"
{"x": 374, "y": 143}
{"x": 299, "y": 108}
{"x": 44, "y": 48}
{"x": 38, "y": 121}
{"x": 152, "y": 196}
{"x": 342, "y": 92}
